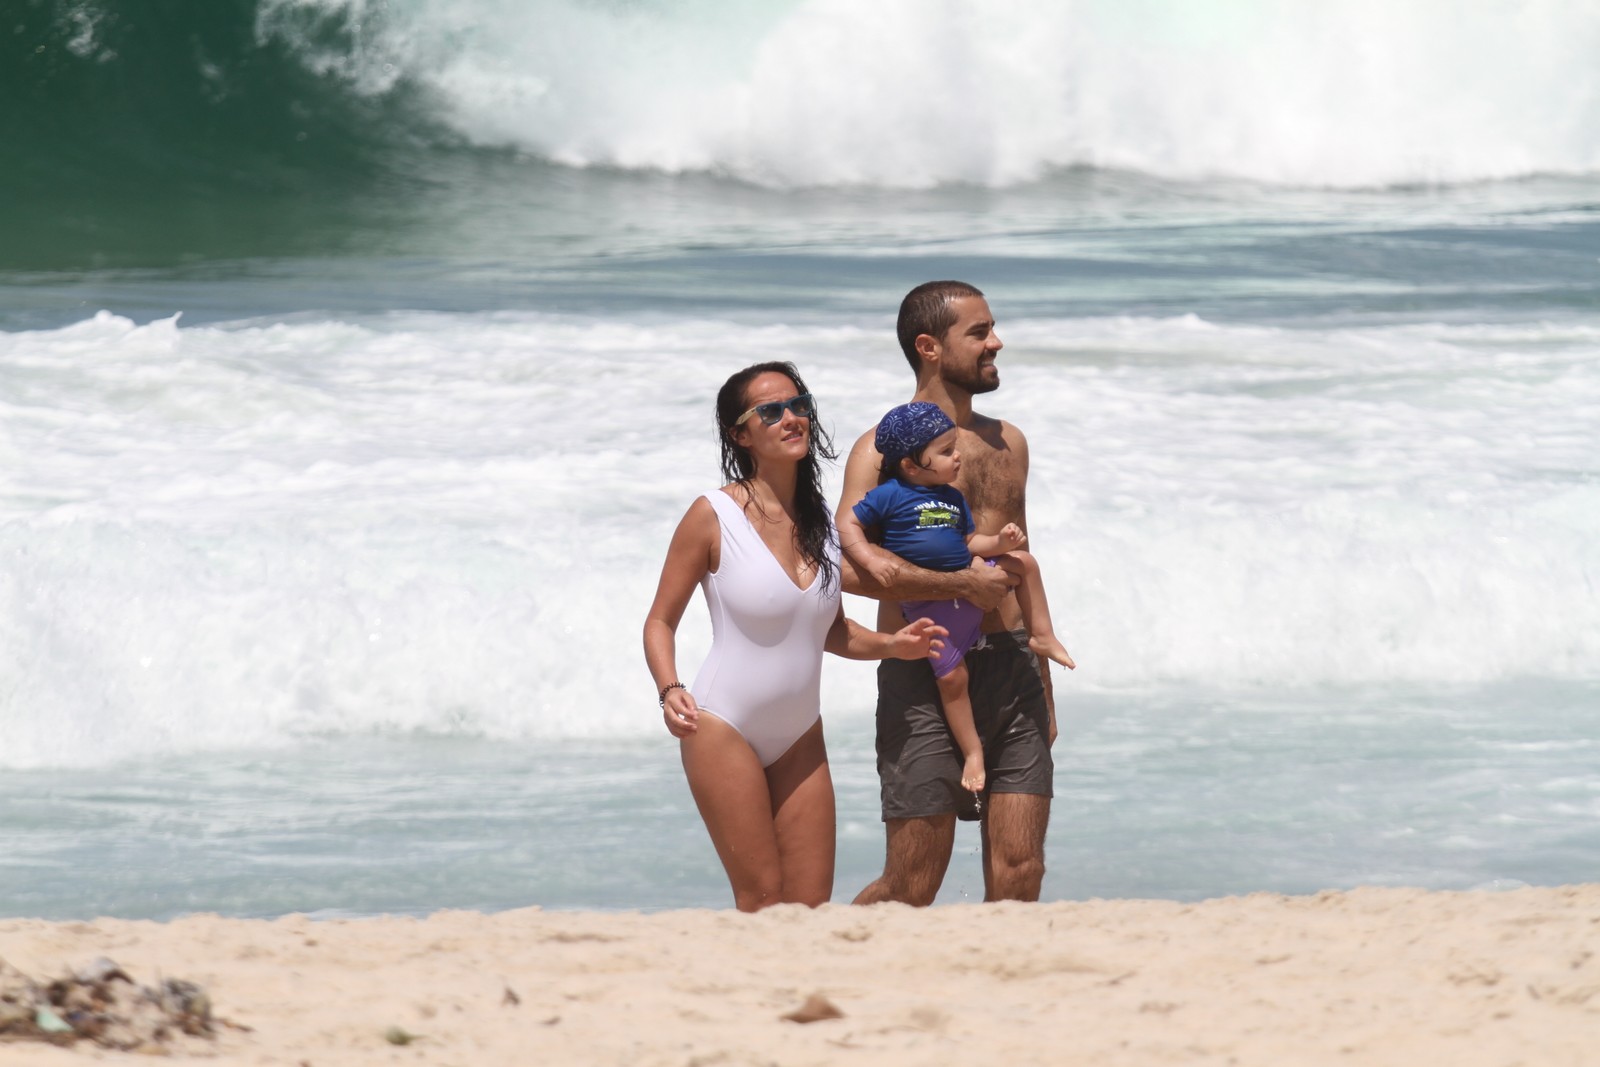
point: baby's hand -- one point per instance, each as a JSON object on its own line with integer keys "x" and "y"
{"x": 882, "y": 570}
{"x": 1011, "y": 536}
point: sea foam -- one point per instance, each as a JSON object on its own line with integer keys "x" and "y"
{"x": 244, "y": 534}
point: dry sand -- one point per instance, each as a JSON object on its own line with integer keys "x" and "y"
{"x": 1373, "y": 976}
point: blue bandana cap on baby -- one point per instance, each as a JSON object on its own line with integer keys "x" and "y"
{"x": 907, "y": 429}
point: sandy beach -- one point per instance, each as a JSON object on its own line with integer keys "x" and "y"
{"x": 1371, "y": 976}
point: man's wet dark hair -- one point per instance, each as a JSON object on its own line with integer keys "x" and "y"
{"x": 926, "y": 310}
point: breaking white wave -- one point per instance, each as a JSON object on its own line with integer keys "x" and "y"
{"x": 914, "y": 93}
{"x": 241, "y": 535}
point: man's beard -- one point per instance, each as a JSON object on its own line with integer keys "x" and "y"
{"x": 974, "y": 382}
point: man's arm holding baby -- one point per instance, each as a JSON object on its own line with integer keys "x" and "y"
{"x": 881, "y": 574}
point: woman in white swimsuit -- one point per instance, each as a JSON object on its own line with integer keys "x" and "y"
{"x": 764, "y": 551}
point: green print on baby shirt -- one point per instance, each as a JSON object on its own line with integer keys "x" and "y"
{"x": 938, "y": 515}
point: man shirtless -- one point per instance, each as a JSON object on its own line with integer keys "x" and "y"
{"x": 947, "y": 334}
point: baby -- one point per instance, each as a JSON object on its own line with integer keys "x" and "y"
{"x": 923, "y": 519}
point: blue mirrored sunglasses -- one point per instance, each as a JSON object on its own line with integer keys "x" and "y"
{"x": 802, "y": 406}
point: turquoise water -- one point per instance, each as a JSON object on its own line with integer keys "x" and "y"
{"x": 1174, "y": 799}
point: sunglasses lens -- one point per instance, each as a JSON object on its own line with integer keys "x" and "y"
{"x": 802, "y": 406}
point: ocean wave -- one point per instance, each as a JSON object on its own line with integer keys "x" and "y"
{"x": 128, "y": 99}
{"x": 917, "y": 93}
{"x": 244, "y": 535}
{"x": 275, "y": 94}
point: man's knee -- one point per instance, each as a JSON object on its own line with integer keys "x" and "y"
{"x": 916, "y": 857}
{"x": 1019, "y": 879}
{"x": 1014, "y": 840}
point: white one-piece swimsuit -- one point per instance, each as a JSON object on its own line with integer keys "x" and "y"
{"x": 764, "y": 674}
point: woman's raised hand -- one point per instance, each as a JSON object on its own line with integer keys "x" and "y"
{"x": 917, "y": 640}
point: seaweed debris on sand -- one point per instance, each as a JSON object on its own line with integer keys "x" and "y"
{"x": 101, "y": 1003}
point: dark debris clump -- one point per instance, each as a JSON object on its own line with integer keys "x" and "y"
{"x": 102, "y": 1004}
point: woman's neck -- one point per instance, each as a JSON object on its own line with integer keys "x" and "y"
{"x": 775, "y": 485}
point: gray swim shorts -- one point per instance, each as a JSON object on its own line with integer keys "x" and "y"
{"x": 919, "y": 763}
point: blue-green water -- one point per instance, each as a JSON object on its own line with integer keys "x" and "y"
{"x": 1171, "y": 798}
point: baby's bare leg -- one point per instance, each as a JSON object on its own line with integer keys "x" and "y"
{"x": 1035, "y": 608}
{"x": 958, "y": 713}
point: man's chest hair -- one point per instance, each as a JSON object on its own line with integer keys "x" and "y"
{"x": 991, "y": 483}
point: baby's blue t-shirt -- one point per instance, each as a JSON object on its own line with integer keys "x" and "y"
{"x": 924, "y": 524}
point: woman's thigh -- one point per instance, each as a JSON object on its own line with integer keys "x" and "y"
{"x": 730, "y": 789}
{"x": 803, "y": 819}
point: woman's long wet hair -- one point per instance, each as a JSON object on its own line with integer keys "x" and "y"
{"x": 813, "y": 519}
